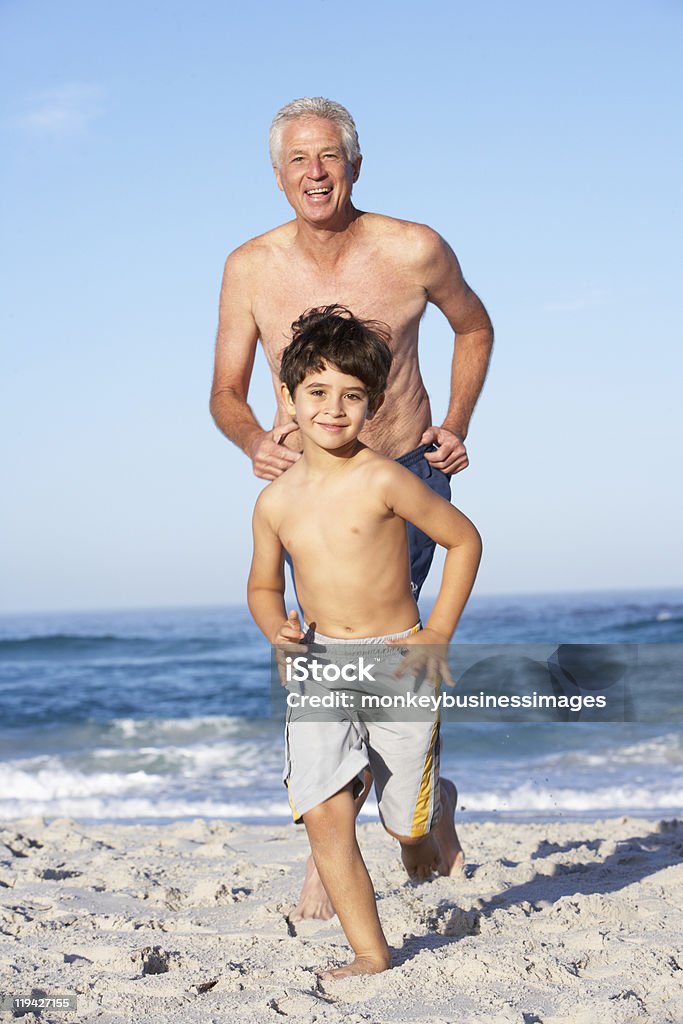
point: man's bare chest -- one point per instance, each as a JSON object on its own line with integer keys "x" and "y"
{"x": 370, "y": 293}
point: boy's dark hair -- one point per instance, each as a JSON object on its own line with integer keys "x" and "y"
{"x": 332, "y": 335}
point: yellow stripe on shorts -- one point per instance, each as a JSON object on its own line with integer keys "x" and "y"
{"x": 421, "y": 815}
{"x": 291, "y": 804}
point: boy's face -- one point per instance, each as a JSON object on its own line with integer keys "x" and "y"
{"x": 329, "y": 406}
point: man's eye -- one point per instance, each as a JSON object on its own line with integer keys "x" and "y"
{"x": 296, "y": 159}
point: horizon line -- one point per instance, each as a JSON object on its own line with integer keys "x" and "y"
{"x": 513, "y": 595}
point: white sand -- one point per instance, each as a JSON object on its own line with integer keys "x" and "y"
{"x": 557, "y": 923}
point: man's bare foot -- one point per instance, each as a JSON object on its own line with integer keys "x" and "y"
{"x": 361, "y": 965}
{"x": 451, "y": 856}
{"x": 313, "y": 900}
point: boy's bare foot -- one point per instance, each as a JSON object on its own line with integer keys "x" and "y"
{"x": 440, "y": 851}
{"x": 421, "y": 861}
{"x": 452, "y": 858}
{"x": 313, "y": 899}
{"x": 361, "y": 965}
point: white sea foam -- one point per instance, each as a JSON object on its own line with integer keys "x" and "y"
{"x": 53, "y": 782}
{"x": 157, "y": 728}
{"x": 54, "y": 790}
{"x": 661, "y": 750}
{"x": 528, "y": 798}
{"x": 228, "y": 767}
{"x": 141, "y": 808}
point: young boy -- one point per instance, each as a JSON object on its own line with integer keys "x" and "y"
{"x": 341, "y": 513}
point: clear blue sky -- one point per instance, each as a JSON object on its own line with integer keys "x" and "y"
{"x": 542, "y": 140}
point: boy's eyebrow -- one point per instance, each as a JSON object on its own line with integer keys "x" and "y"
{"x": 322, "y": 384}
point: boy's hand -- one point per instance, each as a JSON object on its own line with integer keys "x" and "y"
{"x": 290, "y": 632}
{"x": 287, "y": 640}
{"x": 431, "y": 657}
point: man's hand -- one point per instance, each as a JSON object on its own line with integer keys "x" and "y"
{"x": 269, "y": 456}
{"x": 450, "y": 455}
{"x": 430, "y": 658}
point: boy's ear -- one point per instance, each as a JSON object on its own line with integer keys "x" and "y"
{"x": 377, "y": 405}
{"x": 288, "y": 400}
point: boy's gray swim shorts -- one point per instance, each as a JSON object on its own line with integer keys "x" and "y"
{"x": 324, "y": 756}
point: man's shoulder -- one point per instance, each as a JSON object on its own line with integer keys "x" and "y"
{"x": 408, "y": 233}
{"x": 262, "y": 247}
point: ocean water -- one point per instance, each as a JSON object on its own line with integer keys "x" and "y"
{"x": 160, "y": 715}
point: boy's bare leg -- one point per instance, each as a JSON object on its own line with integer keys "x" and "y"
{"x": 439, "y": 851}
{"x": 331, "y": 828}
{"x": 452, "y": 858}
{"x": 313, "y": 900}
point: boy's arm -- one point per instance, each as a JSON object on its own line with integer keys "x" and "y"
{"x": 266, "y": 587}
{"x": 411, "y": 499}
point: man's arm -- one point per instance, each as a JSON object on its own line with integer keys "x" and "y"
{"x": 234, "y": 361}
{"x": 465, "y": 312}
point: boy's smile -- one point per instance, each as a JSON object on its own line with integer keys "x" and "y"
{"x": 330, "y": 407}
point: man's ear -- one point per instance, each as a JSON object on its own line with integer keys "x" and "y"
{"x": 377, "y": 405}
{"x": 356, "y": 168}
{"x": 279, "y": 179}
{"x": 288, "y": 400}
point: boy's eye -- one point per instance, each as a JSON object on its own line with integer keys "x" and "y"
{"x": 317, "y": 394}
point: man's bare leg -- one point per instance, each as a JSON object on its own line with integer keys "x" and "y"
{"x": 313, "y": 900}
{"x": 331, "y": 828}
{"x": 439, "y": 851}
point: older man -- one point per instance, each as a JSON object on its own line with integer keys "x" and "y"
{"x": 380, "y": 268}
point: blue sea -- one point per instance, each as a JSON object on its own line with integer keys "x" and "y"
{"x": 162, "y": 715}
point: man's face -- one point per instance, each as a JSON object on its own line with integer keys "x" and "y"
{"x": 330, "y": 407}
{"x": 314, "y": 172}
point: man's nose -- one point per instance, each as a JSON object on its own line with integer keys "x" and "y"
{"x": 316, "y": 169}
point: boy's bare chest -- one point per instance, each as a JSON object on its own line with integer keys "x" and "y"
{"x": 330, "y": 524}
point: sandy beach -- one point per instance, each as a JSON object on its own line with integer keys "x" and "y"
{"x": 562, "y": 923}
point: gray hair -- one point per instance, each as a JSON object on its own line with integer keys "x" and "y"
{"x": 315, "y": 106}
